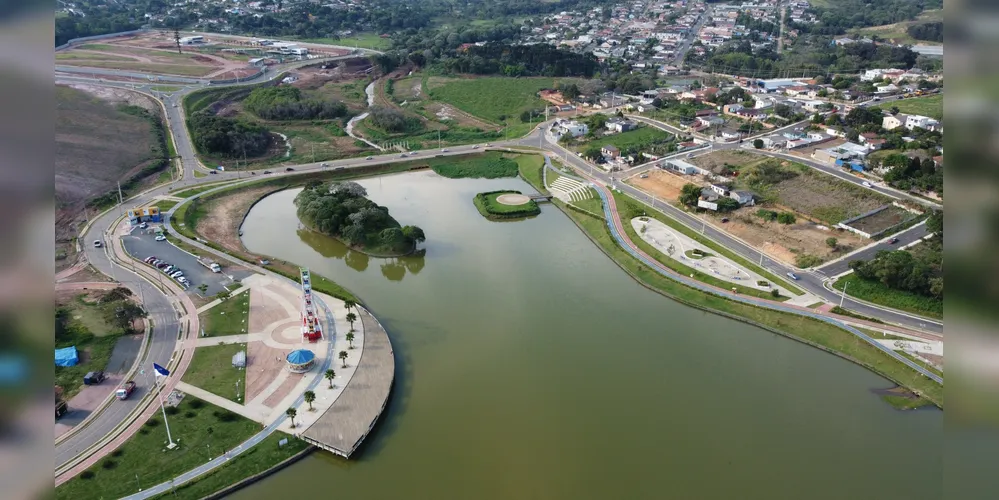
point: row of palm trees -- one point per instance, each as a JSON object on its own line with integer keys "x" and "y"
{"x": 330, "y": 374}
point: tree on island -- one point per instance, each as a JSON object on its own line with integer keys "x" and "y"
{"x": 341, "y": 209}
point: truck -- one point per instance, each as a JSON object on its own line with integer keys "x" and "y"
{"x": 125, "y": 390}
{"x": 210, "y": 264}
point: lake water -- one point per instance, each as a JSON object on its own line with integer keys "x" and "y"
{"x": 530, "y": 366}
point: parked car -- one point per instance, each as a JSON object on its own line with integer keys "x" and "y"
{"x": 338, "y": 168}
{"x": 150, "y": 259}
{"x": 168, "y": 269}
{"x": 143, "y": 225}
{"x": 644, "y": 176}
{"x": 793, "y": 276}
{"x": 93, "y": 378}
{"x": 176, "y": 274}
{"x": 160, "y": 237}
{"x": 162, "y": 265}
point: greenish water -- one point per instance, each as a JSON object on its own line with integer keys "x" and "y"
{"x": 531, "y": 366}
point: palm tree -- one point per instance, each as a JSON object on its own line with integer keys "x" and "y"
{"x": 292, "y": 413}
{"x": 350, "y": 338}
{"x": 347, "y": 304}
{"x": 309, "y": 398}
{"x": 330, "y": 374}
{"x": 343, "y": 356}
{"x": 351, "y": 318}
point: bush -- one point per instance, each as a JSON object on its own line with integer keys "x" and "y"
{"x": 190, "y": 414}
{"x": 394, "y": 121}
{"x": 765, "y": 214}
{"x": 143, "y": 431}
{"x": 172, "y": 410}
{"x": 225, "y": 416}
{"x": 152, "y": 422}
{"x": 785, "y": 218}
{"x": 195, "y": 404}
{"x": 806, "y": 260}
{"x": 87, "y": 474}
{"x": 286, "y": 103}
{"x": 758, "y": 143}
{"x": 117, "y": 453}
{"x": 109, "y": 464}
{"x": 775, "y": 293}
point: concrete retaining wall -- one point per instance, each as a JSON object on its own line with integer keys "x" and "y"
{"x": 228, "y": 490}
{"x": 84, "y": 39}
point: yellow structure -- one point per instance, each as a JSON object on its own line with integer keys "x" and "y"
{"x": 144, "y": 214}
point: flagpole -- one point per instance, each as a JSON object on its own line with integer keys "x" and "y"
{"x": 163, "y": 408}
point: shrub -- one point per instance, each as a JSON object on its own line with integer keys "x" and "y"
{"x": 143, "y": 431}
{"x": 109, "y": 464}
{"x": 152, "y": 422}
{"x": 172, "y": 410}
{"x": 190, "y": 414}
{"x": 196, "y": 403}
{"x": 87, "y": 474}
{"x": 117, "y": 453}
{"x": 807, "y": 260}
{"x": 785, "y": 218}
{"x": 775, "y": 293}
{"x": 225, "y": 416}
{"x": 765, "y": 214}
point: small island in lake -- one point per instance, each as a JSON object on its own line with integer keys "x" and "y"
{"x": 506, "y": 204}
{"x": 341, "y": 210}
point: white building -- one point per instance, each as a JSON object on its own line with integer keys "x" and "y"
{"x": 918, "y": 121}
{"x": 573, "y": 128}
{"x": 190, "y": 40}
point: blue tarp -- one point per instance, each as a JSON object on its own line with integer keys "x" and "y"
{"x": 66, "y": 356}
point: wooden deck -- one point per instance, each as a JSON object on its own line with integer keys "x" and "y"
{"x": 346, "y": 423}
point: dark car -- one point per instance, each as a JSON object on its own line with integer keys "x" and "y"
{"x": 267, "y": 171}
{"x": 93, "y": 378}
{"x": 893, "y": 241}
{"x": 289, "y": 169}
{"x": 724, "y": 219}
{"x": 212, "y": 172}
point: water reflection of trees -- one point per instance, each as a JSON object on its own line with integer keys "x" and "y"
{"x": 393, "y": 268}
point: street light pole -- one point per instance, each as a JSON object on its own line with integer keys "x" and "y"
{"x": 165, "y": 423}
{"x": 842, "y": 297}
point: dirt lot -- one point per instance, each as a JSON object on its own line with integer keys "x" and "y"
{"x": 665, "y": 185}
{"x": 785, "y": 242}
{"x": 447, "y": 112}
{"x": 717, "y": 159}
{"x": 225, "y": 215}
{"x": 825, "y": 198}
{"x": 881, "y": 221}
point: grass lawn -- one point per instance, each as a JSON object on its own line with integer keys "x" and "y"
{"x": 810, "y": 330}
{"x": 625, "y": 140}
{"x": 490, "y": 165}
{"x": 187, "y": 193}
{"x": 490, "y": 208}
{"x": 261, "y": 457}
{"x": 491, "y": 98}
{"x": 931, "y": 106}
{"x": 81, "y": 323}
{"x": 165, "y": 205}
{"x": 201, "y": 431}
{"x": 361, "y": 40}
{"x": 227, "y": 318}
{"x": 211, "y": 369}
{"x": 846, "y": 312}
{"x": 529, "y": 167}
{"x": 195, "y": 70}
{"x": 626, "y": 203}
{"x": 876, "y": 292}
{"x": 593, "y": 205}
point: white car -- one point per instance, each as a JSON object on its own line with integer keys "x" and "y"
{"x": 445, "y": 150}
{"x": 475, "y": 146}
{"x": 487, "y": 144}
{"x": 866, "y": 184}
{"x": 143, "y": 225}
{"x": 370, "y": 158}
{"x": 97, "y": 243}
{"x": 160, "y": 237}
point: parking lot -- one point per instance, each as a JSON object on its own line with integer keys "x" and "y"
{"x": 141, "y": 244}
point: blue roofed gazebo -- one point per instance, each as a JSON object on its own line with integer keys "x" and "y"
{"x": 300, "y": 361}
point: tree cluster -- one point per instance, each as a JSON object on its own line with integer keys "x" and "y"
{"x": 906, "y": 173}
{"x": 900, "y": 270}
{"x": 286, "y": 103}
{"x": 227, "y": 137}
{"x": 739, "y": 58}
{"x": 341, "y": 209}
{"x": 836, "y": 18}
{"x": 520, "y": 60}
{"x": 394, "y": 121}
{"x": 932, "y": 31}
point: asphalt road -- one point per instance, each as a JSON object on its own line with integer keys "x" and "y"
{"x": 835, "y": 268}
{"x": 141, "y": 245}
{"x": 160, "y": 349}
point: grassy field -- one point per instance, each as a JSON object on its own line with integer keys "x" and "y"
{"x": 873, "y": 291}
{"x": 201, "y": 430}
{"x": 490, "y": 208}
{"x": 228, "y": 317}
{"x": 495, "y": 99}
{"x": 802, "y": 328}
{"x": 361, "y": 40}
{"x": 195, "y": 70}
{"x": 80, "y": 323}
{"x": 529, "y": 167}
{"x": 211, "y": 369}
{"x": 625, "y": 140}
{"x": 490, "y": 165}
{"x": 165, "y": 205}
{"x": 931, "y": 106}
{"x": 258, "y": 459}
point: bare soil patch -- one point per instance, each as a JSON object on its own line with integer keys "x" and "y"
{"x": 447, "y": 112}
{"x": 665, "y": 185}
{"x": 718, "y": 159}
{"x": 885, "y": 219}
{"x": 785, "y": 241}
{"x": 225, "y": 215}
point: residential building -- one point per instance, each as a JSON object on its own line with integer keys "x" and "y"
{"x": 573, "y": 128}
{"x": 918, "y": 121}
{"x": 892, "y": 122}
{"x": 619, "y": 125}
{"x": 610, "y": 150}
